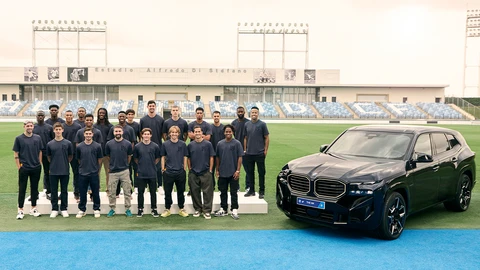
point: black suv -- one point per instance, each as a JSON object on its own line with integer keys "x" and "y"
{"x": 372, "y": 177}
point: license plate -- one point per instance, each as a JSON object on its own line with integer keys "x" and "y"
{"x": 311, "y": 203}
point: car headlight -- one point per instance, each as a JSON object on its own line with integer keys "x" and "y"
{"x": 364, "y": 188}
{"x": 282, "y": 175}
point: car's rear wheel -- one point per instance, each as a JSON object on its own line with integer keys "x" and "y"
{"x": 463, "y": 195}
{"x": 394, "y": 217}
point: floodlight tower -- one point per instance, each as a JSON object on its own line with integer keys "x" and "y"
{"x": 63, "y": 28}
{"x": 266, "y": 29}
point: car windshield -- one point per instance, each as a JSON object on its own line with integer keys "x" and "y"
{"x": 372, "y": 144}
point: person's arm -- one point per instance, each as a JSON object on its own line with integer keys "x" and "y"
{"x": 211, "y": 164}
{"x": 162, "y": 166}
{"x": 164, "y": 136}
{"x": 189, "y": 164}
{"x": 236, "y": 175}
{"x": 99, "y": 164}
{"x": 267, "y": 143}
{"x": 207, "y": 137}
{"x": 245, "y": 144}
{"x": 70, "y": 157}
{"x": 129, "y": 158}
{"x": 185, "y": 163}
{"x": 17, "y": 160}
{"x": 40, "y": 156}
{"x": 217, "y": 165}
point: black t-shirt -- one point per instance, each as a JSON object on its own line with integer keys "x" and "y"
{"x": 228, "y": 153}
{"x": 80, "y": 123}
{"x": 118, "y": 152}
{"x": 88, "y": 155}
{"x": 217, "y": 135}
{"x": 174, "y": 154}
{"x": 240, "y": 129}
{"x": 180, "y": 123}
{"x": 51, "y": 122}
{"x": 199, "y": 154}
{"x": 104, "y": 129}
{"x": 256, "y": 133}
{"x": 155, "y": 124}
{"x": 58, "y": 151}
{"x": 146, "y": 155}
{"x": 28, "y": 149}
{"x": 128, "y": 134}
{"x": 70, "y": 132}
{"x": 136, "y": 129}
{"x": 45, "y": 132}
{"x": 97, "y": 136}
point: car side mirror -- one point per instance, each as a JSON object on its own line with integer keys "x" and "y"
{"x": 323, "y": 147}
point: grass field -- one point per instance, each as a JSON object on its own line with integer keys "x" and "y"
{"x": 287, "y": 141}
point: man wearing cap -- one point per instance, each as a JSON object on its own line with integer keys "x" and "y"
{"x": 54, "y": 115}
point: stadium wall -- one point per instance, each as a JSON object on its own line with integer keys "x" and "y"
{"x": 164, "y": 92}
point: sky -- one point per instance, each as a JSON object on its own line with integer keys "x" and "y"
{"x": 369, "y": 41}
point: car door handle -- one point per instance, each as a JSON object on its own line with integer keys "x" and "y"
{"x": 435, "y": 168}
{"x": 454, "y": 159}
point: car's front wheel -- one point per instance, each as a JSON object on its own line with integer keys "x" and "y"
{"x": 463, "y": 195}
{"x": 394, "y": 217}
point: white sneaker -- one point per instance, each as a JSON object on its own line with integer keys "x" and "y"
{"x": 235, "y": 214}
{"x": 80, "y": 214}
{"x": 20, "y": 214}
{"x": 54, "y": 214}
{"x": 136, "y": 190}
{"x": 96, "y": 213}
{"x": 65, "y": 213}
{"x": 160, "y": 190}
{"x": 221, "y": 213}
{"x": 34, "y": 212}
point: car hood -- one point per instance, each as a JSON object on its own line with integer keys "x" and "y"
{"x": 347, "y": 169}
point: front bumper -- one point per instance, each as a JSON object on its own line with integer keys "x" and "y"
{"x": 362, "y": 212}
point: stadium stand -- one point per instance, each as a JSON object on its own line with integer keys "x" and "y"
{"x": 142, "y": 107}
{"x": 404, "y": 110}
{"x": 367, "y": 110}
{"x": 89, "y": 106}
{"x": 114, "y": 106}
{"x": 266, "y": 108}
{"x": 226, "y": 108}
{"x": 41, "y": 105}
{"x": 11, "y": 108}
{"x": 332, "y": 110}
{"x": 187, "y": 107}
{"x": 440, "y": 110}
{"x": 291, "y": 109}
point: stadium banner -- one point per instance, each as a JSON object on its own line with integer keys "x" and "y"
{"x": 53, "y": 74}
{"x": 290, "y": 75}
{"x": 264, "y": 76}
{"x": 77, "y": 74}
{"x": 309, "y": 76}
{"x": 30, "y": 74}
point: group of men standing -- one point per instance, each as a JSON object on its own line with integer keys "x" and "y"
{"x": 133, "y": 155}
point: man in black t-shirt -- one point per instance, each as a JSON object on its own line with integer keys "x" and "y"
{"x": 54, "y": 115}
{"x": 70, "y": 129}
{"x": 174, "y": 160}
{"x": 45, "y": 131}
{"x": 239, "y": 125}
{"x": 90, "y": 155}
{"x": 59, "y": 153}
{"x": 217, "y": 135}
{"x": 27, "y": 151}
{"x": 103, "y": 124}
{"x": 119, "y": 152}
{"x": 146, "y": 155}
{"x": 155, "y": 122}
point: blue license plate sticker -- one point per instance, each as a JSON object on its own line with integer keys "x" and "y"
{"x": 311, "y": 203}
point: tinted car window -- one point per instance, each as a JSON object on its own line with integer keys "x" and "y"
{"x": 441, "y": 143}
{"x": 423, "y": 145}
{"x": 452, "y": 141}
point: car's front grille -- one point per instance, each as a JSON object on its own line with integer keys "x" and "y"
{"x": 318, "y": 214}
{"x": 299, "y": 183}
{"x": 329, "y": 188}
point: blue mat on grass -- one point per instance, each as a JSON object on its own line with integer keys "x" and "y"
{"x": 272, "y": 249}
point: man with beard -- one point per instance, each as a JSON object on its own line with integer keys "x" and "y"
{"x": 217, "y": 135}
{"x": 70, "y": 129}
{"x": 128, "y": 134}
{"x": 154, "y": 122}
{"x": 175, "y": 120}
{"x": 89, "y": 154}
{"x": 239, "y": 125}
{"x": 60, "y": 154}
{"x": 45, "y": 131}
{"x": 54, "y": 115}
{"x": 147, "y": 154}
{"x": 256, "y": 144}
{"x": 206, "y": 127}
{"x": 27, "y": 152}
{"x": 80, "y": 116}
{"x": 119, "y": 153}
{"x": 200, "y": 165}
{"x": 229, "y": 160}
{"x": 136, "y": 128}
{"x": 103, "y": 124}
